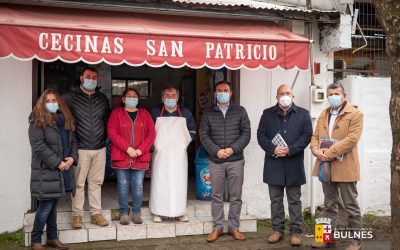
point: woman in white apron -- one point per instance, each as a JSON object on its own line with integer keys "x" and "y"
{"x": 168, "y": 193}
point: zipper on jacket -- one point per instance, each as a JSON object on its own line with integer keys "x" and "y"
{"x": 223, "y": 116}
{"x": 224, "y": 133}
{"x": 132, "y": 137}
{"x": 91, "y": 121}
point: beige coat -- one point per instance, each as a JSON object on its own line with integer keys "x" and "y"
{"x": 347, "y": 129}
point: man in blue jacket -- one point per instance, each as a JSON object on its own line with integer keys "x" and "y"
{"x": 284, "y": 161}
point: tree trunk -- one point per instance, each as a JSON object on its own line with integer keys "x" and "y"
{"x": 388, "y": 14}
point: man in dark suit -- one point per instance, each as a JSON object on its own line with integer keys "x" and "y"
{"x": 284, "y": 160}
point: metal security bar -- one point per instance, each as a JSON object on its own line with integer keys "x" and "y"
{"x": 367, "y": 56}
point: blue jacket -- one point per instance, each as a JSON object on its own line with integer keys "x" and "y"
{"x": 296, "y": 129}
{"x": 184, "y": 112}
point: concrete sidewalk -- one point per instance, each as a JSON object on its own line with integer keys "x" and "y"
{"x": 256, "y": 240}
{"x": 226, "y": 242}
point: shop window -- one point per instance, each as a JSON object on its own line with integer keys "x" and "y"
{"x": 142, "y": 85}
{"x": 120, "y": 84}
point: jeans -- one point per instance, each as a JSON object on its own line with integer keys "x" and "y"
{"x": 132, "y": 178}
{"x": 46, "y": 214}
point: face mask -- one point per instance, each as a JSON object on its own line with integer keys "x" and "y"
{"x": 131, "y": 102}
{"x": 89, "y": 84}
{"x": 285, "y": 101}
{"x": 223, "y": 97}
{"x": 170, "y": 103}
{"x": 335, "y": 100}
{"x": 52, "y": 107}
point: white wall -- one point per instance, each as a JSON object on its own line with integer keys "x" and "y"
{"x": 255, "y": 89}
{"x": 323, "y": 79}
{"x": 258, "y": 92}
{"x": 372, "y": 95}
{"x": 15, "y": 154}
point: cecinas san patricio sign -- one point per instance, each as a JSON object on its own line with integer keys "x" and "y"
{"x": 162, "y": 48}
{"x": 152, "y": 49}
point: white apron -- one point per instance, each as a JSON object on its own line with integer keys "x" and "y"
{"x": 169, "y": 177}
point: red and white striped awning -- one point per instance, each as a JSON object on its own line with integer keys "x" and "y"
{"x": 73, "y": 35}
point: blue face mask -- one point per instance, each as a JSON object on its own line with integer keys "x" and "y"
{"x": 89, "y": 84}
{"x": 335, "y": 100}
{"x": 52, "y": 107}
{"x": 223, "y": 97}
{"x": 170, "y": 103}
{"x": 131, "y": 102}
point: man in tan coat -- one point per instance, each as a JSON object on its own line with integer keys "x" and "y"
{"x": 342, "y": 122}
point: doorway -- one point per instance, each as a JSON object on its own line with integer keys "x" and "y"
{"x": 196, "y": 94}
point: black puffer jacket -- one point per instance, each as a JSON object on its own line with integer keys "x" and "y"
{"x": 91, "y": 115}
{"x": 47, "y": 181}
{"x": 217, "y": 132}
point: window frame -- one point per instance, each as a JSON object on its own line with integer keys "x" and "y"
{"x": 128, "y": 79}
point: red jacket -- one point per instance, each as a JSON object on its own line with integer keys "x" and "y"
{"x": 119, "y": 129}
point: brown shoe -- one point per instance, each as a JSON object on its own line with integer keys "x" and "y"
{"x": 124, "y": 219}
{"x": 237, "y": 235}
{"x": 214, "y": 235}
{"x": 37, "y": 246}
{"x": 319, "y": 245}
{"x": 355, "y": 245}
{"x": 77, "y": 222}
{"x": 137, "y": 219}
{"x": 323, "y": 245}
{"x": 56, "y": 244}
{"x": 98, "y": 219}
{"x": 295, "y": 240}
{"x": 275, "y": 237}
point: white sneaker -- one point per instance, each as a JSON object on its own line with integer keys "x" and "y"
{"x": 157, "y": 219}
{"x": 183, "y": 218}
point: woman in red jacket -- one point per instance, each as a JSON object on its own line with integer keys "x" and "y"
{"x": 131, "y": 131}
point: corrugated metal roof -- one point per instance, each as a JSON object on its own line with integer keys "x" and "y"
{"x": 252, "y": 4}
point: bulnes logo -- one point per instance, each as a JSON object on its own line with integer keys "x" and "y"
{"x": 325, "y": 233}
{"x": 323, "y": 230}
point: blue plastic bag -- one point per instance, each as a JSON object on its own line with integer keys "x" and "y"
{"x": 324, "y": 172}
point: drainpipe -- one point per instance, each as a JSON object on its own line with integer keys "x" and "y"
{"x": 311, "y": 38}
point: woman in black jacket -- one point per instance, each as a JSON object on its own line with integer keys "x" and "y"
{"x": 54, "y": 151}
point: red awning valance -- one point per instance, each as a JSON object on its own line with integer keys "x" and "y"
{"x": 73, "y": 35}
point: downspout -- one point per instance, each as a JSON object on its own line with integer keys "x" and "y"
{"x": 311, "y": 38}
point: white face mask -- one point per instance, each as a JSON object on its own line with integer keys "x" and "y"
{"x": 89, "y": 84}
{"x": 285, "y": 101}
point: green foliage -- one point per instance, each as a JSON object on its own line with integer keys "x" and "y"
{"x": 264, "y": 223}
{"x": 373, "y": 221}
{"x": 20, "y": 237}
{"x": 17, "y": 237}
{"x": 308, "y": 218}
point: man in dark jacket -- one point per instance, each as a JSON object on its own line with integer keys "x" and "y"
{"x": 284, "y": 166}
{"x": 224, "y": 133}
{"x": 90, "y": 109}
